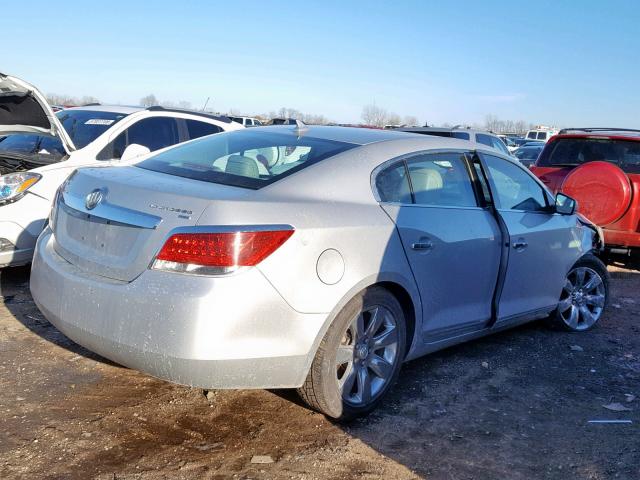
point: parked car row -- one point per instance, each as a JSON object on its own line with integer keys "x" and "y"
{"x": 291, "y": 256}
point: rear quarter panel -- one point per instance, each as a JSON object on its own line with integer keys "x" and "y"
{"x": 331, "y": 206}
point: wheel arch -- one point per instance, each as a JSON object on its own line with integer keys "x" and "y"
{"x": 402, "y": 288}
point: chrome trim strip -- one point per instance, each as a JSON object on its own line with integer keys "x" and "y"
{"x": 108, "y": 212}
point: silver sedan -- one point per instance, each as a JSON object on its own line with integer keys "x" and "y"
{"x": 316, "y": 258}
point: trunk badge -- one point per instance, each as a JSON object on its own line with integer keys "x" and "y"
{"x": 92, "y": 200}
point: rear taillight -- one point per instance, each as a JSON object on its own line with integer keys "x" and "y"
{"x": 218, "y": 252}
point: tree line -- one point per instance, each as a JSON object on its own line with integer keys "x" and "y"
{"x": 372, "y": 114}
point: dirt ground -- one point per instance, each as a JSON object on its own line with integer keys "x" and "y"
{"x": 515, "y": 405}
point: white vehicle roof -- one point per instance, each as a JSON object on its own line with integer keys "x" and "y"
{"x": 126, "y": 110}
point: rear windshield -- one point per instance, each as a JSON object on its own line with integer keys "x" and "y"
{"x": 571, "y": 152}
{"x": 244, "y": 158}
{"x": 84, "y": 126}
{"x": 527, "y": 153}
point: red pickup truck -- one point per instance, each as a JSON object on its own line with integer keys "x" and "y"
{"x": 600, "y": 168}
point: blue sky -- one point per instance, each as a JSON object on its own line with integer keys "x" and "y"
{"x": 549, "y": 62}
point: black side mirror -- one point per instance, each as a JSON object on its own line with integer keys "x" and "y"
{"x": 565, "y": 205}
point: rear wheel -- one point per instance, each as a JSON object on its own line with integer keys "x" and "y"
{"x": 584, "y": 296}
{"x": 359, "y": 358}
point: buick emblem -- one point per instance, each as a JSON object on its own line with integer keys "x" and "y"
{"x": 92, "y": 200}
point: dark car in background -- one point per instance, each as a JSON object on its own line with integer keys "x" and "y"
{"x": 600, "y": 168}
{"x": 528, "y": 154}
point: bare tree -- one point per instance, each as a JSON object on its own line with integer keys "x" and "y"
{"x": 87, "y": 99}
{"x": 492, "y": 123}
{"x": 285, "y": 112}
{"x": 311, "y": 119}
{"x": 410, "y": 121}
{"x": 520, "y": 127}
{"x": 57, "y": 99}
{"x": 149, "y": 101}
{"x": 183, "y": 104}
{"x": 393, "y": 119}
{"x": 374, "y": 116}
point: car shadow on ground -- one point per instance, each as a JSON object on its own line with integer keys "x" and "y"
{"x": 14, "y": 292}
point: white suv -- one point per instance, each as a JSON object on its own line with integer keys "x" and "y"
{"x": 541, "y": 134}
{"x": 40, "y": 149}
{"x": 247, "y": 121}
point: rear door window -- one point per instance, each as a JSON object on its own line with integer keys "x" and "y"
{"x": 441, "y": 179}
{"x": 542, "y": 135}
{"x": 572, "y": 152}
{"x": 154, "y": 133}
{"x": 460, "y": 135}
{"x": 198, "y": 129}
{"x": 491, "y": 141}
{"x": 433, "y": 179}
{"x": 484, "y": 139}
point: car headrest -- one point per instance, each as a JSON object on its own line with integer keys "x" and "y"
{"x": 426, "y": 179}
{"x": 243, "y": 166}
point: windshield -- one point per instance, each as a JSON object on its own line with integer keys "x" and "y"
{"x": 244, "y": 158}
{"x": 47, "y": 149}
{"x": 84, "y": 126}
{"x": 570, "y": 152}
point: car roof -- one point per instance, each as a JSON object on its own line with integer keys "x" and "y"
{"x": 127, "y": 110}
{"x": 605, "y": 132}
{"x": 109, "y": 108}
{"x": 443, "y": 129}
{"x": 353, "y": 135}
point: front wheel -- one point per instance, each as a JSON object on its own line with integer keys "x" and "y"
{"x": 584, "y": 296}
{"x": 359, "y": 358}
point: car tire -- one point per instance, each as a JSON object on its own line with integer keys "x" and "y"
{"x": 359, "y": 358}
{"x": 584, "y": 296}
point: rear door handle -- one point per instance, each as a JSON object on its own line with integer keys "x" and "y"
{"x": 520, "y": 244}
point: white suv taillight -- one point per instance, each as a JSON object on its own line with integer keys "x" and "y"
{"x": 218, "y": 253}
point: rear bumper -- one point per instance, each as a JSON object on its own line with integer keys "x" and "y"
{"x": 231, "y": 332}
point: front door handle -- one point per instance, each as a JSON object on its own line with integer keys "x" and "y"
{"x": 520, "y": 244}
{"x": 422, "y": 245}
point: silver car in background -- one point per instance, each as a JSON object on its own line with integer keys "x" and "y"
{"x": 316, "y": 258}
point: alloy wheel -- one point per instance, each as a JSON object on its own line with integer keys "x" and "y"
{"x": 366, "y": 357}
{"x": 583, "y": 298}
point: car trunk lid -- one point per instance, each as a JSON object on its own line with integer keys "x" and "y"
{"x": 23, "y": 109}
{"x": 112, "y": 222}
